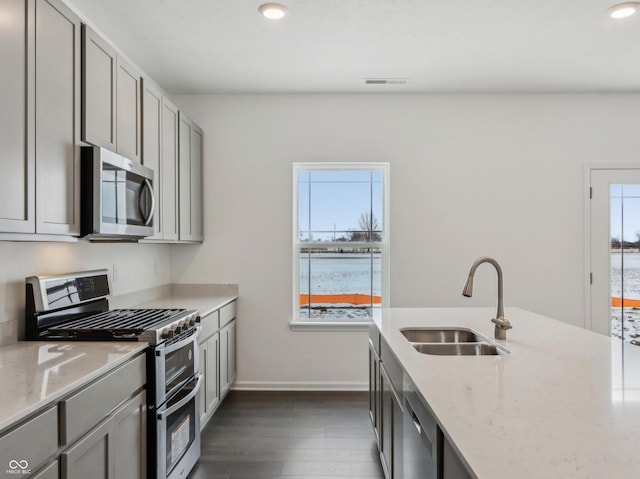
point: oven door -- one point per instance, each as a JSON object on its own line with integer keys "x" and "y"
{"x": 178, "y": 432}
{"x": 175, "y": 364}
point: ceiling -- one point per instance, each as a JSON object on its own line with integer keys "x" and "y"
{"x": 212, "y": 46}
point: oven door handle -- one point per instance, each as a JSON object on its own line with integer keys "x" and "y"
{"x": 163, "y": 414}
{"x": 160, "y": 352}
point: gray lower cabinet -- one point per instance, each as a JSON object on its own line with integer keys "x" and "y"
{"x": 227, "y": 356}
{"x": 114, "y": 449}
{"x": 57, "y": 118}
{"x": 217, "y": 358}
{"x": 99, "y": 77}
{"x": 52, "y": 471}
{"x": 452, "y": 466}
{"x": 190, "y": 174}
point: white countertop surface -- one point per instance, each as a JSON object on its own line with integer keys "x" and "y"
{"x": 559, "y": 406}
{"x": 205, "y": 298}
{"x": 34, "y": 374}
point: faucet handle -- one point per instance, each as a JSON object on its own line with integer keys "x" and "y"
{"x": 502, "y": 323}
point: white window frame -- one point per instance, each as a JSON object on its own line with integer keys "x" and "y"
{"x": 339, "y": 325}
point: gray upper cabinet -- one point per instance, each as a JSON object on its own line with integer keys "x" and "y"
{"x": 190, "y": 166}
{"x": 17, "y": 160}
{"x": 57, "y": 118}
{"x": 169, "y": 171}
{"x": 99, "y": 73}
{"x": 152, "y": 146}
{"x": 128, "y": 110}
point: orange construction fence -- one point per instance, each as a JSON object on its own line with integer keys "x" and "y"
{"x": 348, "y": 298}
{"x": 626, "y": 303}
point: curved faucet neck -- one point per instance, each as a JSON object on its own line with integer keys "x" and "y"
{"x": 472, "y": 272}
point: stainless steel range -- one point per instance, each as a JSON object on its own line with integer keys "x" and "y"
{"x": 75, "y": 307}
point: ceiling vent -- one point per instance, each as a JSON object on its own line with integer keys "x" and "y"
{"x": 385, "y": 81}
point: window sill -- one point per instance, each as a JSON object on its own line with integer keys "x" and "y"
{"x": 329, "y": 325}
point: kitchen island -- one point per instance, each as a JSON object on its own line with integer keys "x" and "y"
{"x": 560, "y": 405}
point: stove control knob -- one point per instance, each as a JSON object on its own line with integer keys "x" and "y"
{"x": 198, "y": 319}
{"x": 192, "y": 321}
{"x": 166, "y": 333}
{"x": 177, "y": 328}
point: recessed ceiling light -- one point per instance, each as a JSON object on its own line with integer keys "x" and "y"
{"x": 273, "y": 11}
{"x": 623, "y": 10}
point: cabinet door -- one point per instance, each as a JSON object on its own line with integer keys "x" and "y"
{"x": 17, "y": 166}
{"x": 452, "y": 466}
{"x": 224, "y": 362}
{"x": 152, "y": 146}
{"x": 90, "y": 456}
{"x": 212, "y": 392}
{"x": 128, "y": 110}
{"x": 99, "y": 67}
{"x": 203, "y": 396}
{"x": 169, "y": 171}
{"x": 57, "y": 118}
{"x": 373, "y": 390}
{"x": 190, "y": 165}
{"x": 231, "y": 353}
{"x": 49, "y": 472}
{"x": 386, "y": 424}
{"x": 130, "y": 439}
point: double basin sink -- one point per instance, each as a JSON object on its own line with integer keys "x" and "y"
{"x": 452, "y": 342}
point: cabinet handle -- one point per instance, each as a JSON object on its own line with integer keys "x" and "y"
{"x": 416, "y": 423}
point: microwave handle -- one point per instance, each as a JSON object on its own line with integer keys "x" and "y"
{"x": 168, "y": 411}
{"x": 149, "y": 217}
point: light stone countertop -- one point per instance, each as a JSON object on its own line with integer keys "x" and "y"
{"x": 35, "y": 374}
{"x": 559, "y": 406}
{"x": 205, "y": 298}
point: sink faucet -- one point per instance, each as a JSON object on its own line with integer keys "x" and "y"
{"x": 502, "y": 323}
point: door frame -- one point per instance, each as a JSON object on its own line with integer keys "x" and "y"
{"x": 588, "y": 168}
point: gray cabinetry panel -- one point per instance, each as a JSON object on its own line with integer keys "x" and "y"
{"x": 211, "y": 391}
{"x": 128, "y": 110}
{"x": 169, "y": 171}
{"x": 130, "y": 440}
{"x": 81, "y": 411}
{"x": 227, "y": 313}
{"x": 35, "y": 441}
{"x": 190, "y": 166}
{"x": 49, "y": 472}
{"x": 452, "y": 466}
{"x": 17, "y": 167}
{"x": 57, "y": 118}
{"x": 99, "y": 67}
{"x": 152, "y": 146}
{"x": 90, "y": 456}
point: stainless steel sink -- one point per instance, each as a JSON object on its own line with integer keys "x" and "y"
{"x": 460, "y": 349}
{"x": 452, "y": 342}
{"x": 452, "y": 335}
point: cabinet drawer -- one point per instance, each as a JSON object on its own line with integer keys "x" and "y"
{"x": 88, "y": 407}
{"x": 210, "y": 324}
{"x": 33, "y": 442}
{"x": 227, "y": 314}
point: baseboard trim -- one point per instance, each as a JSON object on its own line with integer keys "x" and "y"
{"x": 299, "y": 386}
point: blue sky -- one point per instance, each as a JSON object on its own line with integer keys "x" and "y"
{"x": 331, "y": 200}
{"x": 625, "y": 211}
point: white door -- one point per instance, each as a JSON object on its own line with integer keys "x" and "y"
{"x": 614, "y": 253}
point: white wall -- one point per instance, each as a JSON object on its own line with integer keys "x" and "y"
{"x": 471, "y": 175}
{"x": 135, "y": 264}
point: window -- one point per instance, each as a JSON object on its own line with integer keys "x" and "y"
{"x": 340, "y": 242}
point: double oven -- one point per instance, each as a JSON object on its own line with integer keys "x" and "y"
{"x": 175, "y": 404}
{"x": 75, "y": 307}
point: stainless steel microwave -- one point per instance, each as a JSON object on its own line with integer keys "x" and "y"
{"x": 117, "y": 196}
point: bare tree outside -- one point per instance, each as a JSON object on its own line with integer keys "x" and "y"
{"x": 369, "y": 229}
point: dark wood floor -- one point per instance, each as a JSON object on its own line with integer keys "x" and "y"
{"x": 269, "y": 435}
